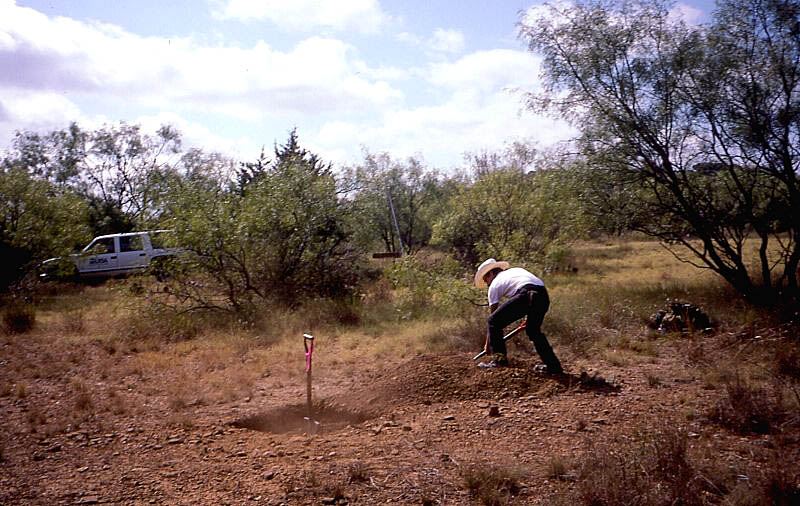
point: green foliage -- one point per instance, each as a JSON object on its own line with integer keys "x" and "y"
{"x": 120, "y": 171}
{"x": 432, "y": 287}
{"x": 512, "y": 215}
{"x": 37, "y": 220}
{"x": 413, "y": 191}
{"x": 694, "y": 129}
{"x": 129, "y": 171}
{"x": 281, "y": 236}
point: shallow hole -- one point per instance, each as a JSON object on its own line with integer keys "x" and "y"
{"x": 286, "y": 419}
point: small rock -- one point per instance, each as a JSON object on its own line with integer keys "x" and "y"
{"x": 407, "y": 428}
{"x": 328, "y": 500}
{"x": 241, "y": 454}
{"x": 449, "y": 418}
{"x": 494, "y": 411}
{"x": 83, "y": 469}
{"x": 175, "y": 441}
{"x": 693, "y": 435}
{"x": 269, "y": 475}
{"x": 89, "y": 499}
{"x": 38, "y": 457}
{"x": 600, "y": 421}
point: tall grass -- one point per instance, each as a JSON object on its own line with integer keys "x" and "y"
{"x": 621, "y": 286}
{"x": 420, "y": 306}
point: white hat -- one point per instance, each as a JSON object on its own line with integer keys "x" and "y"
{"x": 486, "y": 267}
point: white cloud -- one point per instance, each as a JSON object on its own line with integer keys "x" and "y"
{"x": 307, "y": 15}
{"x": 54, "y": 70}
{"x": 197, "y": 134}
{"x": 481, "y": 111}
{"x": 489, "y": 70}
{"x": 442, "y": 133}
{"x": 64, "y": 55}
{"x": 691, "y": 15}
{"x": 409, "y": 38}
{"x": 449, "y": 41}
{"x": 34, "y": 110}
{"x": 550, "y": 10}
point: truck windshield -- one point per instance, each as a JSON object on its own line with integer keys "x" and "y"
{"x": 100, "y": 246}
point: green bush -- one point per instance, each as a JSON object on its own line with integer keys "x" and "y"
{"x": 432, "y": 287}
{"x": 281, "y": 235}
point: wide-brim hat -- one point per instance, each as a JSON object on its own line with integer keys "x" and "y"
{"x": 486, "y": 267}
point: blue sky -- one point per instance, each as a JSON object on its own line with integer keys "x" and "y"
{"x": 433, "y": 79}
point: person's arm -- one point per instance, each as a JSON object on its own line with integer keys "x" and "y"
{"x": 487, "y": 347}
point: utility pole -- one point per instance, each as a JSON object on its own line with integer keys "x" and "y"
{"x": 394, "y": 218}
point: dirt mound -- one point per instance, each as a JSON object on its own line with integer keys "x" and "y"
{"x": 430, "y": 379}
{"x": 422, "y": 380}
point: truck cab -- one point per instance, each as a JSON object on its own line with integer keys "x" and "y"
{"x": 116, "y": 254}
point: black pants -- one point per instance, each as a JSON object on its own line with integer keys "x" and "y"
{"x": 531, "y": 301}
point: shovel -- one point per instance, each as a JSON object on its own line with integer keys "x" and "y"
{"x": 313, "y": 425}
{"x": 506, "y": 337}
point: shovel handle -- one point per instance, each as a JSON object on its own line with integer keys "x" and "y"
{"x": 506, "y": 337}
{"x": 309, "y": 350}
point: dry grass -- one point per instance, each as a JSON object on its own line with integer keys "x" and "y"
{"x": 657, "y": 471}
{"x": 598, "y": 312}
{"x": 749, "y": 408}
{"x": 491, "y": 484}
{"x": 18, "y": 317}
{"x": 557, "y": 466}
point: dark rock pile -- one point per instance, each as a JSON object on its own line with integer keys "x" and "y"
{"x": 681, "y": 317}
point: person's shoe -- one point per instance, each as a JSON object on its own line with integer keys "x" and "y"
{"x": 499, "y": 360}
{"x": 543, "y": 369}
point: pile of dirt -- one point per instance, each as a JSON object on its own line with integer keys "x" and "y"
{"x": 432, "y": 379}
{"x": 423, "y": 380}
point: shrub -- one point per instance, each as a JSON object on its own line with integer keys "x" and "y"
{"x": 431, "y": 287}
{"x": 787, "y": 358}
{"x": 777, "y": 485}
{"x": 556, "y": 468}
{"x": 357, "y": 472}
{"x": 657, "y": 471}
{"x": 492, "y": 485}
{"x": 281, "y": 235}
{"x": 746, "y": 408}
{"x": 19, "y": 317}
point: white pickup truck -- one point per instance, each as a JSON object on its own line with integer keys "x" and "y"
{"x": 112, "y": 255}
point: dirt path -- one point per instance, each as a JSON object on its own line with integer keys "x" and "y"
{"x": 78, "y": 432}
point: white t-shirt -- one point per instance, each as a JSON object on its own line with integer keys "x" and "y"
{"x": 506, "y": 283}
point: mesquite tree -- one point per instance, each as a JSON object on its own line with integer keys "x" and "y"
{"x": 704, "y": 122}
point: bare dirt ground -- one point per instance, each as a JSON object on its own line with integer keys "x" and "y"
{"x": 79, "y": 425}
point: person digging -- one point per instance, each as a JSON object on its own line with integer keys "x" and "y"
{"x": 525, "y": 295}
